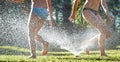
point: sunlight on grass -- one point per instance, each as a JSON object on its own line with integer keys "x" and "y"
{"x": 14, "y": 48}
{"x": 113, "y": 56}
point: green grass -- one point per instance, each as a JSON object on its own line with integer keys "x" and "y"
{"x": 16, "y": 54}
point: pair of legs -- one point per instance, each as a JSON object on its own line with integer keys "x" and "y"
{"x": 96, "y": 21}
{"x": 35, "y": 25}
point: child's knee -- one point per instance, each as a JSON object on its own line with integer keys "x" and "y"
{"x": 108, "y": 34}
{"x": 36, "y": 37}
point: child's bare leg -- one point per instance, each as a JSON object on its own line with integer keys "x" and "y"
{"x": 104, "y": 34}
{"x": 101, "y": 45}
{"x": 34, "y": 27}
{"x": 32, "y": 43}
{"x": 39, "y": 38}
{"x": 92, "y": 40}
{"x": 100, "y": 39}
{"x": 99, "y": 25}
{"x": 87, "y": 51}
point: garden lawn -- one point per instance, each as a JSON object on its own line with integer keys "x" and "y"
{"x": 16, "y": 54}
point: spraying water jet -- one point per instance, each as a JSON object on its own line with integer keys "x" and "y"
{"x": 75, "y": 43}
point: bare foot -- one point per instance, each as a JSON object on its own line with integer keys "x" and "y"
{"x": 77, "y": 56}
{"x": 87, "y": 51}
{"x": 103, "y": 55}
{"x": 45, "y": 51}
{"x": 32, "y": 57}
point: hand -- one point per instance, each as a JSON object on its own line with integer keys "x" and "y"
{"x": 110, "y": 17}
{"x": 71, "y": 18}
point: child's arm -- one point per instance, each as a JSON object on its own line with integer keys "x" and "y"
{"x": 105, "y": 8}
{"x": 75, "y": 7}
{"x": 49, "y": 4}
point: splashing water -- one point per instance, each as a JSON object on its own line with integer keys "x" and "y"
{"x": 13, "y": 30}
{"x": 75, "y": 42}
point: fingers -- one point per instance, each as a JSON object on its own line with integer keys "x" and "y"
{"x": 71, "y": 19}
{"x": 111, "y": 18}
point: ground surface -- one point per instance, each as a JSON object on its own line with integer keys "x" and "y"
{"x": 16, "y": 54}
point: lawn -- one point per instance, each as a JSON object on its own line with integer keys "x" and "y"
{"x": 16, "y": 54}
